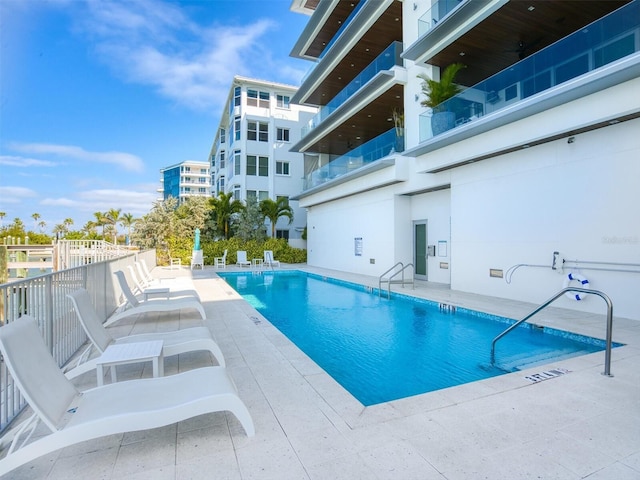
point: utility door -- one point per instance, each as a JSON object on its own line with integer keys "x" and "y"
{"x": 420, "y": 249}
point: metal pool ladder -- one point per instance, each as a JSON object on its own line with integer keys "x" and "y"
{"x": 607, "y": 356}
{"x": 391, "y": 280}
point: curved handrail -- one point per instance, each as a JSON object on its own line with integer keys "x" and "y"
{"x": 607, "y": 357}
{"x": 380, "y": 278}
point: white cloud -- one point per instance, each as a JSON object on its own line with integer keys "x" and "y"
{"x": 15, "y": 194}
{"x": 155, "y": 43}
{"x": 14, "y": 161}
{"x": 89, "y": 201}
{"x": 125, "y": 160}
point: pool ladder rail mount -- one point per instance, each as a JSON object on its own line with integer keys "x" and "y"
{"x": 390, "y": 281}
{"x": 607, "y": 357}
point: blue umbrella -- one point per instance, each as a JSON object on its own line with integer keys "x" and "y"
{"x": 196, "y": 243}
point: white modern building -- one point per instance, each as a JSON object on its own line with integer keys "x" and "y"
{"x": 185, "y": 179}
{"x": 535, "y": 179}
{"x": 250, "y": 155}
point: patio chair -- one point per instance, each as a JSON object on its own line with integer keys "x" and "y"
{"x": 74, "y": 417}
{"x": 242, "y": 259}
{"x": 166, "y": 290}
{"x": 146, "y": 275}
{"x": 221, "y": 262}
{"x": 268, "y": 259}
{"x": 174, "y": 343}
{"x": 133, "y": 306}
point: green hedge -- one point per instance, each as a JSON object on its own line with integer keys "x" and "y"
{"x": 282, "y": 251}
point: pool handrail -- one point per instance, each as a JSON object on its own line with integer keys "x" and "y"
{"x": 605, "y": 297}
{"x": 389, "y": 280}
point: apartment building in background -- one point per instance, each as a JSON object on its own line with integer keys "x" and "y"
{"x": 185, "y": 179}
{"x": 535, "y": 177}
{"x": 250, "y": 154}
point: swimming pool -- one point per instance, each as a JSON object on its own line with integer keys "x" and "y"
{"x": 382, "y": 350}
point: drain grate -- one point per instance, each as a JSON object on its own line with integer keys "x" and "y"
{"x": 546, "y": 375}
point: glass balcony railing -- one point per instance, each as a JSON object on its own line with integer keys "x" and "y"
{"x": 375, "y": 149}
{"x": 604, "y": 41}
{"x": 433, "y": 16}
{"x": 385, "y": 61}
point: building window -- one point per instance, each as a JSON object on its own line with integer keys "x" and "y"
{"x": 221, "y": 184}
{"x": 282, "y": 134}
{"x": 223, "y": 135}
{"x": 236, "y": 127}
{"x": 257, "y": 98}
{"x": 258, "y": 195}
{"x": 257, "y": 166}
{"x": 236, "y": 162}
{"x": 282, "y": 234}
{"x": 213, "y": 161}
{"x": 282, "y": 101}
{"x": 257, "y": 131}
{"x": 202, "y": 190}
{"x": 222, "y": 159}
{"x": 237, "y": 91}
{"x": 236, "y": 192}
{"x": 282, "y": 168}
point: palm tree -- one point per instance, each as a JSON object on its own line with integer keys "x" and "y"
{"x": 67, "y": 222}
{"x": 2, "y": 215}
{"x": 224, "y": 208}
{"x": 112, "y": 217}
{"x": 100, "y": 221}
{"x": 36, "y": 217}
{"x": 127, "y": 221}
{"x": 273, "y": 210}
{"x": 42, "y": 224}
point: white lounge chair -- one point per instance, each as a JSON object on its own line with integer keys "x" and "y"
{"x": 268, "y": 259}
{"x": 242, "y": 259}
{"x": 74, "y": 417}
{"x": 174, "y": 343}
{"x": 221, "y": 262}
{"x": 133, "y": 306}
{"x": 146, "y": 275}
{"x": 161, "y": 291}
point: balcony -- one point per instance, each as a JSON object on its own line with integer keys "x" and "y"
{"x": 434, "y": 15}
{"x": 367, "y": 153}
{"x": 599, "y": 44}
{"x": 389, "y": 58}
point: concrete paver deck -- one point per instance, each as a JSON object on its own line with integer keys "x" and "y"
{"x": 574, "y": 426}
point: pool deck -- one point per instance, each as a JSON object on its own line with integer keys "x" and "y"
{"x": 577, "y": 425}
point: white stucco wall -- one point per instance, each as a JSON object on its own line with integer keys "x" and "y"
{"x": 581, "y": 199}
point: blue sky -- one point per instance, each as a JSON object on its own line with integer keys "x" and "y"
{"x": 96, "y": 96}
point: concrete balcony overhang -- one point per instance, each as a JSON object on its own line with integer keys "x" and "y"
{"x": 381, "y": 173}
{"x": 378, "y": 85}
{"x": 590, "y": 101}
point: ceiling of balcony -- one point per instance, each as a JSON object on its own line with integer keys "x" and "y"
{"x": 515, "y": 31}
{"x": 386, "y": 30}
{"x": 368, "y": 123}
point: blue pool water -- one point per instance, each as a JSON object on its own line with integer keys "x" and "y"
{"x": 382, "y": 350}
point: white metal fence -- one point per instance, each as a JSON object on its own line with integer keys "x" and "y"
{"x": 44, "y": 298}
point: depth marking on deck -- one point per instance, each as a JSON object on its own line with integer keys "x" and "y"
{"x": 546, "y": 375}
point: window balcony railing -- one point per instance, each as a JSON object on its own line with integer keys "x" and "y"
{"x": 602, "y": 42}
{"x": 389, "y": 58}
{"x": 375, "y": 149}
{"x": 433, "y": 16}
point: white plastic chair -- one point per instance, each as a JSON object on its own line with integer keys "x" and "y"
{"x": 167, "y": 290}
{"x": 174, "y": 343}
{"x": 221, "y": 262}
{"x": 268, "y": 259}
{"x": 242, "y": 259}
{"x": 133, "y": 306}
{"x": 74, "y": 417}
